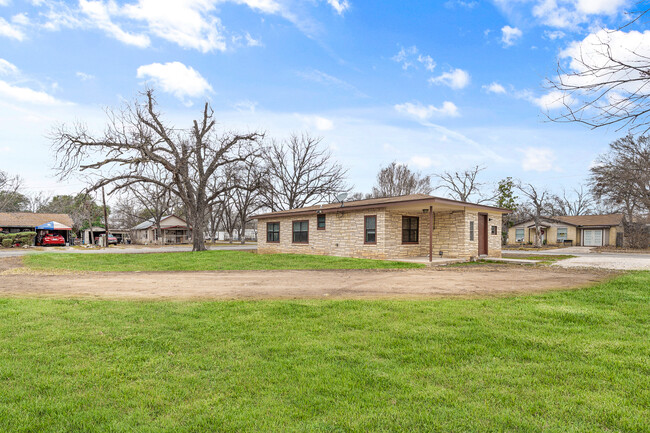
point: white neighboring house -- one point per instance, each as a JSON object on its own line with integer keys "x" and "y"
{"x": 173, "y": 230}
{"x": 249, "y": 235}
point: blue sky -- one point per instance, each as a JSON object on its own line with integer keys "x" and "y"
{"x": 439, "y": 85}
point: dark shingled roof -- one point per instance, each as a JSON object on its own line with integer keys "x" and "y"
{"x": 28, "y": 219}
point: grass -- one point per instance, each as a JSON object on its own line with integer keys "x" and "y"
{"x": 566, "y": 361}
{"x": 201, "y": 261}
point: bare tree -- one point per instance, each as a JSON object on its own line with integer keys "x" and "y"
{"x": 463, "y": 185}
{"x": 155, "y": 199}
{"x": 398, "y": 179}
{"x": 301, "y": 173}
{"x": 215, "y": 219}
{"x": 127, "y": 213}
{"x": 230, "y": 217}
{"x": 248, "y": 200}
{"x": 621, "y": 176}
{"x": 605, "y": 82}
{"x": 9, "y": 192}
{"x": 38, "y": 201}
{"x": 137, "y": 141}
{"x": 578, "y": 202}
{"x": 536, "y": 206}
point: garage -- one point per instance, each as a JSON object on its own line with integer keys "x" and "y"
{"x": 592, "y": 238}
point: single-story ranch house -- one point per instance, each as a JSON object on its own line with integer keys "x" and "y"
{"x": 584, "y": 230}
{"x": 14, "y": 222}
{"x": 415, "y": 225}
{"x": 173, "y": 230}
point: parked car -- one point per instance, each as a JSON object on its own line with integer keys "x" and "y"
{"x": 112, "y": 240}
{"x": 51, "y": 239}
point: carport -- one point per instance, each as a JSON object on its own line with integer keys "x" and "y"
{"x": 54, "y": 228}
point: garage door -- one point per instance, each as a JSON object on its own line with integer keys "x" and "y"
{"x": 593, "y": 238}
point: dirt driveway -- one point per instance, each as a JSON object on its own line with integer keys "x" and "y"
{"x": 336, "y": 284}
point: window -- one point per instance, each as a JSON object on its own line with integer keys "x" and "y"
{"x": 494, "y": 230}
{"x": 272, "y": 232}
{"x": 562, "y": 234}
{"x": 519, "y": 235}
{"x": 410, "y": 229}
{"x": 301, "y": 232}
{"x": 320, "y": 219}
{"x": 370, "y": 229}
{"x": 471, "y": 230}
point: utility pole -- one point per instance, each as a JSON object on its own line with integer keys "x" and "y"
{"x": 105, "y": 220}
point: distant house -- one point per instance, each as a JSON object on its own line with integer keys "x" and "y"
{"x": 584, "y": 230}
{"x": 416, "y": 225}
{"x": 55, "y": 223}
{"x": 173, "y": 230}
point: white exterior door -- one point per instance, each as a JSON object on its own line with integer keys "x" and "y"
{"x": 593, "y": 238}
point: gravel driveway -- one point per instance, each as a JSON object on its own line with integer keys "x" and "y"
{"x": 588, "y": 258}
{"x": 626, "y": 262}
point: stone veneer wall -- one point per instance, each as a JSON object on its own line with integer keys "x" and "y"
{"x": 343, "y": 235}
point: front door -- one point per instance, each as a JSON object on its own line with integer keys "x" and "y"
{"x": 482, "y": 235}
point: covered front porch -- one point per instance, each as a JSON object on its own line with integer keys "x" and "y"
{"x": 441, "y": 233}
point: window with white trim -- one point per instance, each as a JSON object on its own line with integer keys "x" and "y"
{"x": 562, "y": 234}
{"x": 519, "y": 235}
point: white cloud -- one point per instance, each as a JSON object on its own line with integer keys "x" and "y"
{"x": 510, "y": 35}
{"x": 494, "y": 88}
{"x": 176, "y": 78}
{"x": 10, "y": 31}
{"x": 100, "y": 13}
{"x": 571, "y": 13}
{"x": 421, "y": 162}
{"x": 20, "y": 19}
{"x": 84, "y": 77}
{"x": 538, "y": 159}
{"x": 456, "y": 79}
{"x": 187, "y": 23}
{"x": 427, "y": 61}
{"x": 26, "y": 95}
{"x": 246, "y": 106}
{"x": 553, "y": 100}
{"x": 554, "y": 34}
{"x": 251, "y": 42}
{"x": 339, "y": 6}
{"x": 404, "y": 55}
{"x": 7, "y": 68}
{"x": 323, "y": 78}
{"x": 317, "y": 122}
{"x": 425, "y": 112}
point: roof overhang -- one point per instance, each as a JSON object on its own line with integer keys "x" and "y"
{"x": 441, "y": 204}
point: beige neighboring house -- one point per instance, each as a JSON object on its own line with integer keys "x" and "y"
{"x": 417, "y": 225}
{"x": 583, "y": 230}
{"x": 173, "y": 230}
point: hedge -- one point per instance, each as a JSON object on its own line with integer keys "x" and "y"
{"x": 21, "y": 238}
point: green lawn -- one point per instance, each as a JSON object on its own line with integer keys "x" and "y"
{"x": 201, "y": 261}
{"x": 568, "y": 361}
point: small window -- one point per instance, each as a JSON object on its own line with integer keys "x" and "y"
{"x": 494, "y": 230}
{"x": 370, "y": 229}
{"x": 471, "y": 230}
{"x": 320, "y": 222}
{"x": 410, "y": 227}
{"x": 519, "y": 235}
{"x": 272, "y": 232}
{"x": 562, "y": 234}
{"x": 301, "y": 232}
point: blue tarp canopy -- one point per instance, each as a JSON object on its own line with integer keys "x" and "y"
{"x": 53, "y": 225}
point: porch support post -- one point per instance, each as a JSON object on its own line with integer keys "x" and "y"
{"x": 430, "y": 234}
